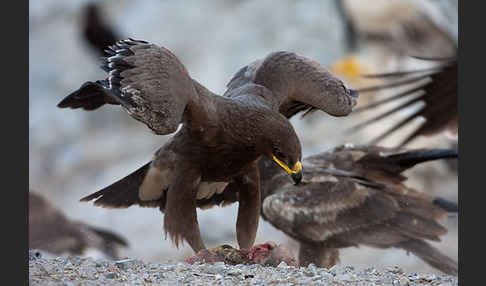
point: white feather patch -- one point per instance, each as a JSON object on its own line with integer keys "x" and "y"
{"x": 154, "y": 183}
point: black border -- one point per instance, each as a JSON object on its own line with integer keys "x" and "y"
{"x": 471, "y": 143}
{"x": 15, "y": 119}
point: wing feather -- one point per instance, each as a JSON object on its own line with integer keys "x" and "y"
{"x": 148, "y": 81}
{"x": 438, "y": 93}
{"x": 298, "y": 83}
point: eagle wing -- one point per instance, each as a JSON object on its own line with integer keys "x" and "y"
{"x": 436, "y": 88}
{"x": 298, "y": 83}
{"x": 149, "y": 82}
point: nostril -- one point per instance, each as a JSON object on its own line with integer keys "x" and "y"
{"x": 353, "y": 93}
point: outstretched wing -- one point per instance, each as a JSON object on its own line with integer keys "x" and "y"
{"x": 436, "y": 88}
{"x": 298, "y": 83}
{"x": 149, "y": 82}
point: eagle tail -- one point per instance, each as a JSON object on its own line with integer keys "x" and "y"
{"x": 430, "y": 255}
{"x": 446, "y": 205}
{"x": 110, "y": 241}
{"x": 121, "y": 194}
{"x": 412, "y": 158}
{"x": 397, "y": 163}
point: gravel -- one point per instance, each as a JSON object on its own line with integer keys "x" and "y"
{"x": 88, "y": 271}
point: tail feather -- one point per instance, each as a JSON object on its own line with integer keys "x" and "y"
{"x": 430, "y": 255}
{"x": 109, "y": 237}
{"x": 397, "y": 163}
{"x": 446, "y": 205}
{"x": 412, "y": 158}
{"x": 111, "y": 241}
{"x": 123, "y": 193}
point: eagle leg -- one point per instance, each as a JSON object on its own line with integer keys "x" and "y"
{"x": 319, "y": 254}
{"x": 180, "y": 219}
{"x": 249, "y": 206}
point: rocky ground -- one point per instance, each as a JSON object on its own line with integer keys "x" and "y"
{"x": 88, "y": 271}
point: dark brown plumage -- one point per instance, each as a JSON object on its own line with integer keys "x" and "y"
{"x": 95, "y": 29}
{"x": 353, "y": 196}
{"x": 50, "y": 230}
{"x": 436, "y": 88}
{"x": 221, "y": 140}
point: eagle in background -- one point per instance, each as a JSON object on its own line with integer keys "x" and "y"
{"x": 353, "y": 196}
{"x": 222, "y": 137}
{"x": 96, "y": 31}
{"x": 50, "y": 230}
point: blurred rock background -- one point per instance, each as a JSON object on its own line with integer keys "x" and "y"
{"x": 73, "y": 153}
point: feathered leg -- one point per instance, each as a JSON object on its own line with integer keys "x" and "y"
{"x": 180, "y": 220}
{"x": 249, "y": 208}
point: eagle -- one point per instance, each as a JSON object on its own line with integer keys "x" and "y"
{"x": 356, "y": 195}
{"x": 96, "y": 31}
{"x": 50, "y": 230}
{"x": 435, "y": 88}
{"x": 215, "y": 153}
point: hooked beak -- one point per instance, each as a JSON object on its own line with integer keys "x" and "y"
{"x": 297, "y": 177}
{"x": 295, "y": 172}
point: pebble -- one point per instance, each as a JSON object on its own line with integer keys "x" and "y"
{"x": 403, "y": 281}
{"x": 86, "y": 271}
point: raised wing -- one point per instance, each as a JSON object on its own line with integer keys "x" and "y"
{"x": 149, "y": 82}
{"x": 435, "y": 88}
{"x": 298, "y": 83}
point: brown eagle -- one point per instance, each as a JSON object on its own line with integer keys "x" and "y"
{"x": 96, "y": 31}
{"x": 221, "y": 139}
{"x": 435, "y": 88}
{"x": 50, "y": 230}
{"x": 353, "y": 196}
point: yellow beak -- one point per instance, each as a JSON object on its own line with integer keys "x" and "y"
{"x": 295, "y": 172}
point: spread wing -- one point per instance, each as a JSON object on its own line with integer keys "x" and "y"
{"x": 150, "y": 83}
{"x": 354, "y": 196}
{"x": 298, "y": 83}
{"x": 435, "y": 88}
